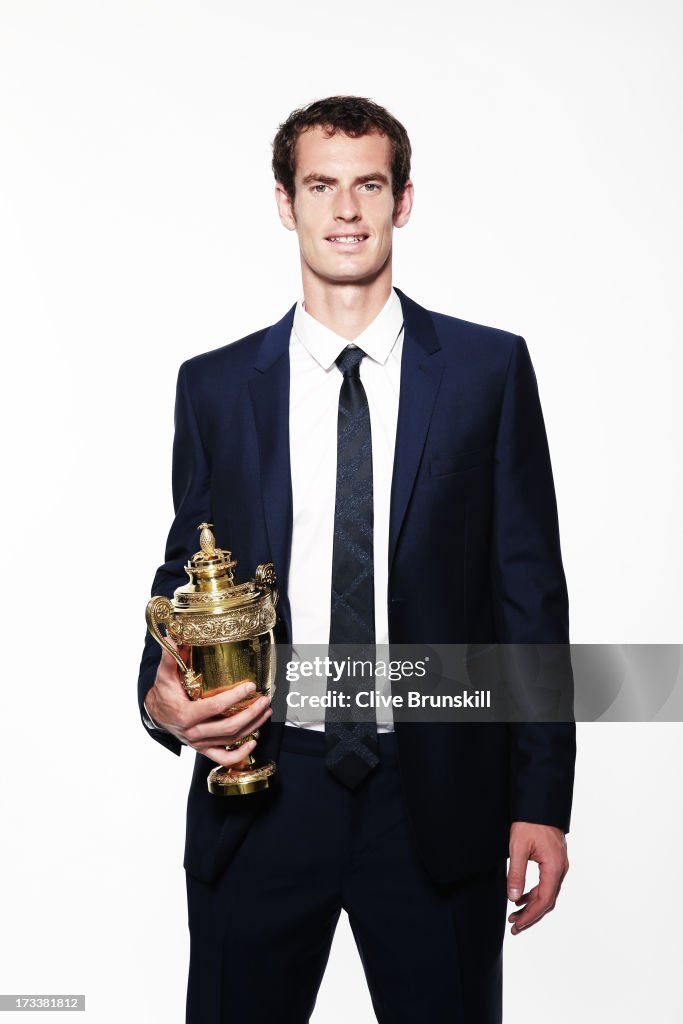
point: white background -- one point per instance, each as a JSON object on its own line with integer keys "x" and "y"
{"x": 138, "y": 228}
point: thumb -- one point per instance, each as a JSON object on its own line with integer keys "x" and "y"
{"x": 519, "y": 859}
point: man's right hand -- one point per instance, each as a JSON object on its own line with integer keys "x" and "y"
{"x": 202, "y": 724}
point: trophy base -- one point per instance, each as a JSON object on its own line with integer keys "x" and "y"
{"x": 240, "y": 781}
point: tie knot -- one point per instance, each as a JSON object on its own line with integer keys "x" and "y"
{"x": 348, "y": 361}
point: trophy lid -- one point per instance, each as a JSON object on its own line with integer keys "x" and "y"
{"x": 210, "y": 568}
{"x": 212, "y": 587}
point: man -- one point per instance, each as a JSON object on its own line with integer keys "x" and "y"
{"x": 392, "y": 463}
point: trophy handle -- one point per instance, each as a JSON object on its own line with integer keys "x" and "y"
{"x": 159, "y": 611}
{"x": 265, "y": 576}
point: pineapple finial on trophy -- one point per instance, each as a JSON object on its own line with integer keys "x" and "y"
{"x": 207, "y": 541}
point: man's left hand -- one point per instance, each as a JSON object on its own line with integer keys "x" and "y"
{"x": 546, "y": 845}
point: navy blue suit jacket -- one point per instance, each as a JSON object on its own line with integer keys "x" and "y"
{"x": 474, "y": 557}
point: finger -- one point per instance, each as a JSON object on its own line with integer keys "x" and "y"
{"x": 550, "y": 876}
{"x": 228, "y": 702}
{"x": 244, "y": 709}
{"x": 254, "y": 726}
{"x": 519, "y": 858}
{"x": 543, "y": 899}
{"x": 523, "y": 900}
{"x": 234, "y": 726}
{"x": 210, "y": 707}
{"x": 524, "y": 917}
{"x": 531, "y": 914}
{"x": 214, "y": 737}
{"x": 522, "y": 903}
{"x": 230, "y": 758}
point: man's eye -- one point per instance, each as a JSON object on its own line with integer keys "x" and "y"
{"x": 316, "y": 187}
{"x": 371, "y": 185}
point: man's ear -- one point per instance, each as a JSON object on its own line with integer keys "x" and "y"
{"x": 403, "y": 205}
{"x": 285, "y": 206}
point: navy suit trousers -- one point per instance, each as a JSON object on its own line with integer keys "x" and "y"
{"x": 261, "y": 933}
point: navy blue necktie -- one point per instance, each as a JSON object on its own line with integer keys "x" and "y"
{"x": 351, "y": 749}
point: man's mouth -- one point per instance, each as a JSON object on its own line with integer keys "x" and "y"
{"x": 347, "y": 239}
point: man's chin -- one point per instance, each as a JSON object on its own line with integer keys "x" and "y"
{"x": 347, "y": 275}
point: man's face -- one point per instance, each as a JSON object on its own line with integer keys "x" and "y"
{"x": 343, "y": 209}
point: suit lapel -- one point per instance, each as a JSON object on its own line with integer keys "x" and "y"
{"x": 422, "y": 367}
{"x": 269, "y": 390}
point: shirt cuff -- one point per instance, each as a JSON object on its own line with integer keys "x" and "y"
{"x": 149, "y": 721}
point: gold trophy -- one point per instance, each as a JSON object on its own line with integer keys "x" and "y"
{"x": 228, "y": 627}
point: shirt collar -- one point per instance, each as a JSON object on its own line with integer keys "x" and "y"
{"x": 377, "y": 340}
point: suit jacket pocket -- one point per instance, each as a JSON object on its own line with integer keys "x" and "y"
{"x": 458, "y": 462}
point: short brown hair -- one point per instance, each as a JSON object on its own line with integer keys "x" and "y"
{"x": 353, "y": 115}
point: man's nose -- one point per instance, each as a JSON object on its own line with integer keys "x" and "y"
{"x": 347, "y": 206}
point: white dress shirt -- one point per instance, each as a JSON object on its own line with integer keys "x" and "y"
{"x": 315, "y": 383}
